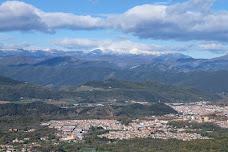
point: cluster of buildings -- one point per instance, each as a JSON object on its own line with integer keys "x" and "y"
{"x": 202, "y": 112}
{"x": 199, "y": 108}
{"x": 24, "y": 148}
{"x": 22, "y": 144}
{"x": 8, "y": 148}
{"x": 155, "y": 127}
{"x": 76, "y": 129}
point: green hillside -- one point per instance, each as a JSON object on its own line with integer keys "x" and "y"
{"x": 14, "y": 90}
{"x": 126, "y": 90}
{"x": 101, "y": 91}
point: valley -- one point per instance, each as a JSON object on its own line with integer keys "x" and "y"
{"x": 114, "y": 76}
{"x": 57, "y": 102}
{"x": 51, "y": 127}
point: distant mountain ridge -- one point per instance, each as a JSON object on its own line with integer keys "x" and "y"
{"x": 58, "y": 68}
{"x": 171, "y": 61}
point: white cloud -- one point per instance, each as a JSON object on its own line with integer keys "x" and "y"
{"x": 215, "y": 47}
{"x": 190, "y": 20}
{"x": 114, "y": 46}
{"x": 6, "y": 47}
{"x": 23, "y": 46}
{"x": 17, "y": 15}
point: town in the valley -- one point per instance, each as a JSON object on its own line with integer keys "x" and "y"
{"x": 153, "y": 127}
{"x": 157, "y": 127}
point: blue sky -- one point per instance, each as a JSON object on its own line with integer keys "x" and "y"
{"x": 194, "y": 27}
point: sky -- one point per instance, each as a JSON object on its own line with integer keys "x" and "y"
{"x": 198, "y": 28}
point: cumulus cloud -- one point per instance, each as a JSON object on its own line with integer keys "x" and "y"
{"x": 10, "y": 47}
{"x": 17, "y": 15}
{"x": 114, "y": 46}
{"x": 24, "y": 46}
{"x": 123, "y": 46}
{"x": 190, "y": 20}
{"x": 215, "y": 47}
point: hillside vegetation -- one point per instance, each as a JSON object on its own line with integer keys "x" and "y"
{"x": 146, "y": 91}
{"x": 61, "y": 69}
{"x": 14, "y": 90}
{"x": 103, "y": 91}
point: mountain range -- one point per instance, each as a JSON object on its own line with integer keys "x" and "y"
{"x": 59, "y": 68}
